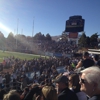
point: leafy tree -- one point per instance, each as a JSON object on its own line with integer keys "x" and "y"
{"x": 39, "y": 36}
{"x": 21, "y": 42}
{"x": 82, "y": 40}
{"x": 1, "y": 35}
{"x": 43, "y": 37}
{"x": 88, "y": 41}
{"x": 48, "y": 37}
{"x": 11, "y": 38}
{"x": 2, "y": 40}
{"x": 94, "y": 39}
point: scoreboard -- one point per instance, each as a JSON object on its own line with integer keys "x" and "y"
{"x": 75, "y": 24}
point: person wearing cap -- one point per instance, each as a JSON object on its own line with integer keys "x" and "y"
{"x": 64, "y": 93}
{"x": 85, "y": 62}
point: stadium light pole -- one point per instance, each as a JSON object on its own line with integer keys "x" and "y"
{"x": 33, "y": 32}
{"x": 17, "y": 32}
{"x": 33, "y": 28}
{"x": 22, "y": 31}
{"x": 14, "y": 31}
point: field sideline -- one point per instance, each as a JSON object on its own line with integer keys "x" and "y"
{"x": 17, "y": 55}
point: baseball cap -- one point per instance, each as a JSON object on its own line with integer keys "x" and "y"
{"x": 62, "y": 79}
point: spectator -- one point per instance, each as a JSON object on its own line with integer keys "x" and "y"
{"x": 75, "y": 86}
{"x": 1, "y": 79}
{"x": 86, "y": 62}
{"x": 2, "y": 93}
{"x": 90, "y": 82}
{"x": 34, "y": 90}
{"x": 1, "y": 66}
{"x": 49, "y": 93}
{"x": 69, "y": 70}
{"x": 64, "y": 92}
{"x": 26, "y": 90}
{"x": 12, "y": 95}
{"x": 96, "y": 60}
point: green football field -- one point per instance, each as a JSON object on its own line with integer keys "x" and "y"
{"x": 17, "y": 55}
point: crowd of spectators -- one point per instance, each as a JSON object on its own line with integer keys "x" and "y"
{"x": 58, "y": 47}
{"x": 78, "y": 82}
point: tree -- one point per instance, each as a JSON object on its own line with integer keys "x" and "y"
{"x": 10, "y": 41}
{"x": 1, "y": 35}
{"x": 94, "y": 40}
{"x": 39, "y": 36}
{"x": 2, "y": 40}
{"x": 82, "y": 40}
{"x": 48, "y": 37}
{"x": 43, "y": 38}
{"x": 11, "y": 38}
{"x": 88, "y": 41}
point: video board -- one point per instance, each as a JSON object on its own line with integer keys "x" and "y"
{"x": 75, "y": 24}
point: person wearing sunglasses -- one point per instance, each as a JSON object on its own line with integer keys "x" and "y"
{"x": 64, "y": 93}
{"x": 90, "y": 82}
{"x": 75, "y": 86}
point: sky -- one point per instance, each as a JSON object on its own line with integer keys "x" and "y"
{"x": 48, "y": 16}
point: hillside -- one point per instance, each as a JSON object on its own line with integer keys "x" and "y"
{"x": 56, "y": 37}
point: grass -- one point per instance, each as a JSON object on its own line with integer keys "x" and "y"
{"x": 17, "y": 55}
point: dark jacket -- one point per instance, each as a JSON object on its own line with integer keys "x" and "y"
{"x": 87, "y": 63}
{"x": 96, "y": 97}
{"x": 2, "y": 93}
{"x": 67, "y": 94}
